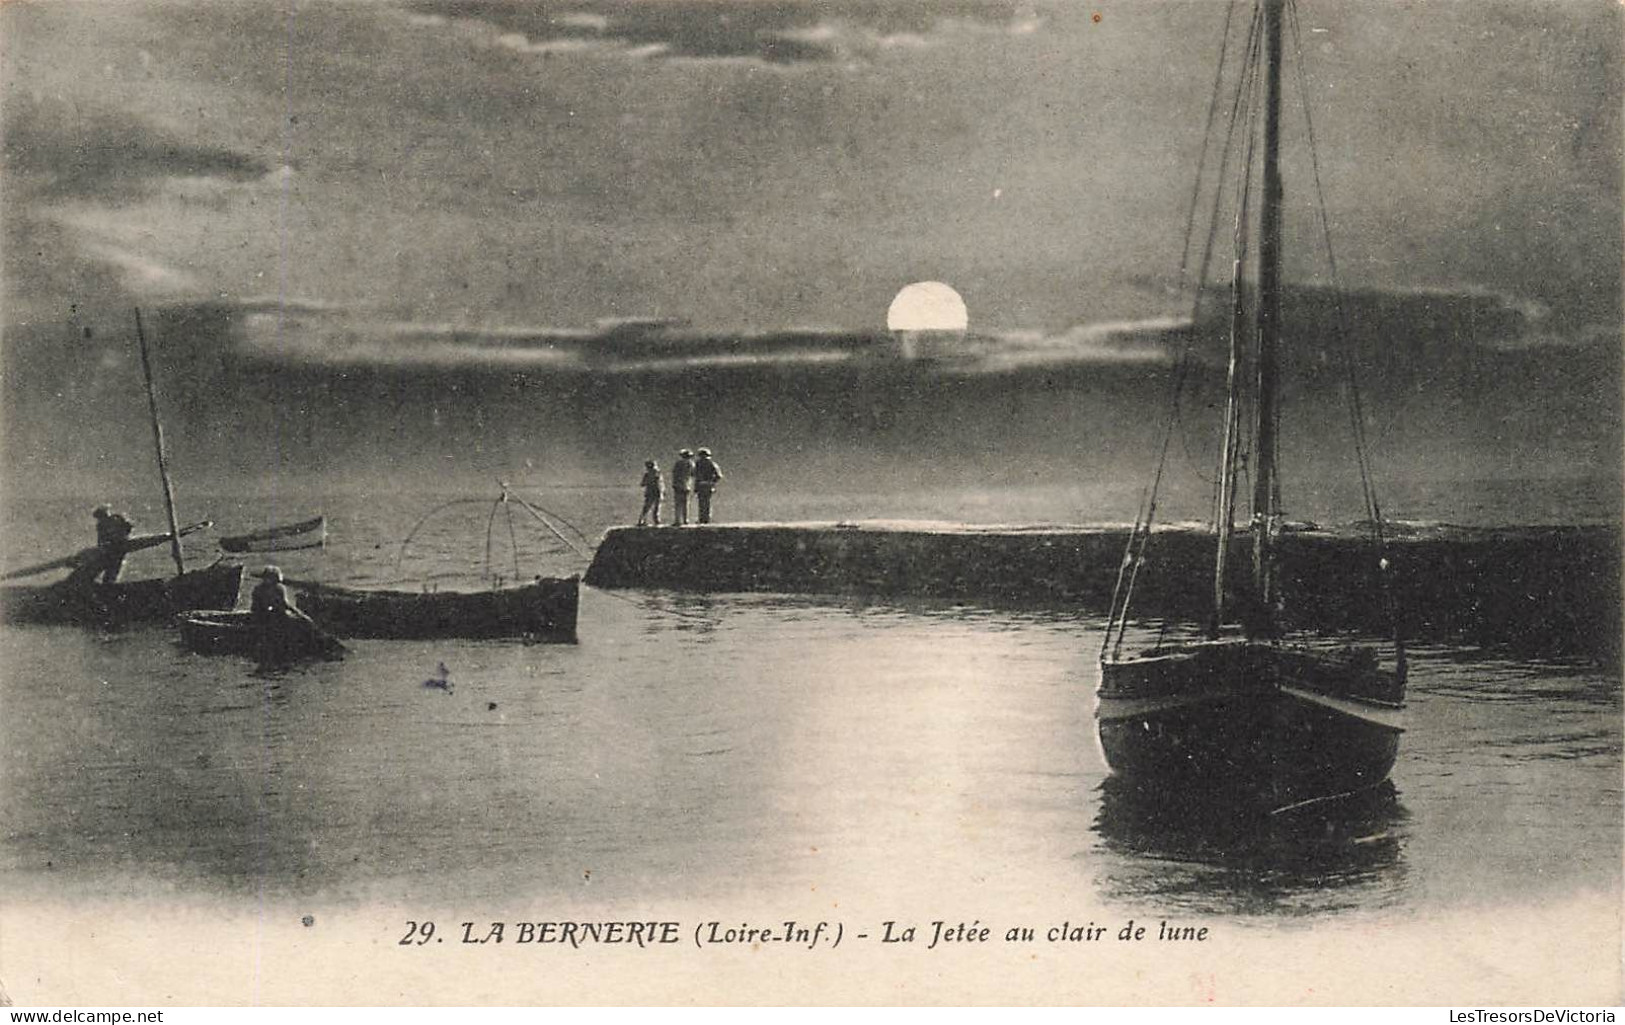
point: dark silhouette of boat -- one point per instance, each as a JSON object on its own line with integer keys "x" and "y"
{"x": 237, "y": 633}
{"x": 133, "y": 601}
{"x": 1277, "y": 722}
{"x": 290, "y": 537}
{"x": 544, "y": 610}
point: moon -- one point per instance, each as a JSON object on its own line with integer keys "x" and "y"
{"x": 927, "y": 306}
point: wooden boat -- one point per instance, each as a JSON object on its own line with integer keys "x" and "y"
{"x": 543, "y": 611}
{"x": 127, "y": 601}
{"x": 236, "y": 633}
{"x": 1248, "y": 713}
{"x": 289, "y": 537}
{"x": 134, "y": 601}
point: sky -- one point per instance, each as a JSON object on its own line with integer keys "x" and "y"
{"x": 773, "y": 165}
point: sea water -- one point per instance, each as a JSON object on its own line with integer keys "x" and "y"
{"x": 721, "y": 746}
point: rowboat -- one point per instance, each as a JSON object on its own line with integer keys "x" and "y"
{"x": 541, "y": 611}
{"x": 289, "y": 537}
{"x": 236, "y": 633}
{"x": 134, "y": 601}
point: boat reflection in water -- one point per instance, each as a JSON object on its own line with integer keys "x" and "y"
{"x": 1227, "y": 856}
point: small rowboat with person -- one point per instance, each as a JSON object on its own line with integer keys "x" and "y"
{"x": 274, "y": 631}
{"x": 239, "y": 633}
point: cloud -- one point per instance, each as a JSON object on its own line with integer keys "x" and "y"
{"x": 583, "y": 19}
{"x": 72, "y": 153}
{"x": 140, "y": 274}
{"x": 773, "y": 33}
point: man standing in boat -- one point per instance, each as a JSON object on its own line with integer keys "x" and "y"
{"x": 707, "y": 475}
{"x": 112, "y": 531}
{"x": 682, "y": 480}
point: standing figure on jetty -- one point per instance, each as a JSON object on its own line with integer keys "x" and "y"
{"x": 651, "y": 494}
{"x": 112, "y": 531}
{"x": 707, "y": 475}
{"x": 682, "y": 479}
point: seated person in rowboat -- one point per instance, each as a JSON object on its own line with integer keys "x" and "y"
{"x": 271, "y": 604}
{"x": 112, "y": 531}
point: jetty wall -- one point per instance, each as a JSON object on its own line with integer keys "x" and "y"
{"x": 1533, "y": 590}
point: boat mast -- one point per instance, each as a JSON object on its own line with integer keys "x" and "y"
{"x": 1269, "y": 328}
{"x": 158, "y": 442}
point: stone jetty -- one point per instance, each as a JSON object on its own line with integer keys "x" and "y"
{"x": 1535, "y": 590}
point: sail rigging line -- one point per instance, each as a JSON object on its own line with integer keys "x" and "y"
{"x": 1196, "y": 463}
{"x": 1112, "y": 613}
{"x": 1246, "y": 106}
{"x": 1207, "y": 137}
{"x": 1139, "y": 537}
{"x": 1243, "y": 108}
{"x": 1356, "y": 405}
{"x": 1238, "y": 106}
{"x": 513, "y": 536}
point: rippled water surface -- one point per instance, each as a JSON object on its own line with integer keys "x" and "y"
{"x": 750, "y": 745}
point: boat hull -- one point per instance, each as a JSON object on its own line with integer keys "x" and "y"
{"x": 132, "y": 601}
{"x": 289, "y": 538}
{"x": 236, "y": 633}
{"x": 542, "y": 611}
{"x": 1259, "y": 722}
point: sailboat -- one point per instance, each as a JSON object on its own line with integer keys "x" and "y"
{"x": 127, "y": 601}
{"x": 1246, "y": 709}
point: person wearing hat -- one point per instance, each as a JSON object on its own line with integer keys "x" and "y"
{"x": 651, "y": 493}
{"x": 270, "y": 603}
{"x": 707, "y": 475}
{"x": 112, "y": 531}
{"x": 682, "y": 480}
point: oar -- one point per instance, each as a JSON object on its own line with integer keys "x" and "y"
{"x": 134, "y": 544}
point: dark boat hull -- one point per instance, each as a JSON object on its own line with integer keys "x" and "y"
{"x": 236, "y": 633}
{"x": 133, "y": 601}
{"x": 541, "y": 611}
{"x": 1272, "y": 725}
{"x": 289, "y": 538}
